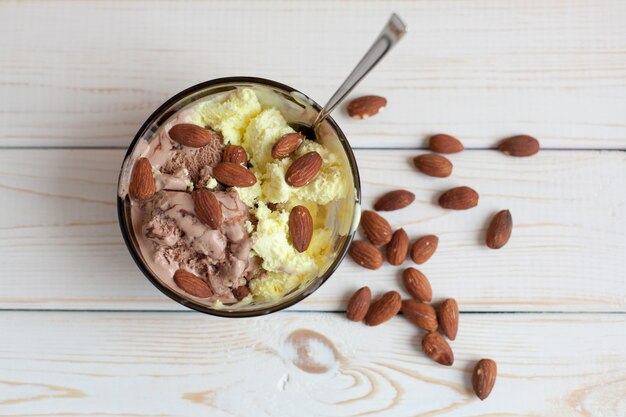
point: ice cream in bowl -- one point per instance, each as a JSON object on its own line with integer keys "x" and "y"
{"x": 230, "y": 211}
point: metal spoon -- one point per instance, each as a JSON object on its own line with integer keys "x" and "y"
{"x": 391, "y": 34}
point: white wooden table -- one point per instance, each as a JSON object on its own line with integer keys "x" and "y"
{"x": 83, "y": 333}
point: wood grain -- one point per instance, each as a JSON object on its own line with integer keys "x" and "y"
{"x": 62, "y": 249}
{"x": 159, "y": 364}
{"x": 88, "y": 73}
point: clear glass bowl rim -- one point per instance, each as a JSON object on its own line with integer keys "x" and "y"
{"x": 126, "y": 228}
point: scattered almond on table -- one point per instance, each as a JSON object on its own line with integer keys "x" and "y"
{"x": 433, "y": 165}
{"x": 459, "y": 198}
{"x": 398, "y": 247}
{"x": 366, "y": 106}
{"x": 484, "y": 377}
{"x": 384, "y": 309}
{"x": 437, "y": 349}
{"x": 417, "y": 285}
{"x": 499, "y": 230}
{"x": 422, "y": 315}
{"x": 449, "y": 318}
{"x": 376, "y": 228}
{"x": 359, "y": 304}
{"x": 379, "y": 232}
{"x": 521, "y": 145}
{"x": 424, "y": 248}
{"x": 394, "y": 200}
{"x": 443, "y": 143}
{"x": 365, "y": 254}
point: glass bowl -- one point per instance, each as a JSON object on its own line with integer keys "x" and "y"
{"x": 296, "y": 108}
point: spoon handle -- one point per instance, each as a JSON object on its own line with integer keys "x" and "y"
{"x": 391, "y": 34}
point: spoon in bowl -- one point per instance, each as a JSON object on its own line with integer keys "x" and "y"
{"x": 392, "y": 33}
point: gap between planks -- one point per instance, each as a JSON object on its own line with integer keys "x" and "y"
{"x": 355, "y": 148}
{"x": 288, "y": 311}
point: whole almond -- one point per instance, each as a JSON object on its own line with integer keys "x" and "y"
{"x": 437, "y": 349}
{"x": 459, "y": 198}
{"x": 235, "y": 154}
{"x": 304, "y": 169}
{"x": 433, "y": 165}
{"x": 192, "y": 135}
{"x": 398, "y": 247}
{"x": 207, "y": 208}
{"x": 424, "y": 248}
{"x": 142, "y": 184}
{"x": 234, "y": 175}
{"x": 417, "y": 284}
{"x": 300, "y": 227}
{"x": 521, "y": 145}
{"x": 359, "y": 304}
{"x": 376, "y": 228}
{"x": 420, "y": 314}
{"x": 191, "y": 284}
{"x": 287, "y": 145}
{"x": 499, "y": 230}
{"x": 383, "y": 309}
{"x": 365, "y": 254}
{"x": 241, "y": 292}
{"x": 484, "y": 377}
{"x": 394, "y": 200}
{"x": 445, "y": 144}
{"x": 449, "y": 318}
{"x": 366, "y": 106}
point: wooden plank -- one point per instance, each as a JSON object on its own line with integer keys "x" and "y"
{"x": 61, "y": 247}
{"x": 482, "y": 70}
{"x": 160, "y": 364}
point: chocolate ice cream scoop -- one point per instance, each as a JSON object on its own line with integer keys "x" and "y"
{"x": 172, "y": 233}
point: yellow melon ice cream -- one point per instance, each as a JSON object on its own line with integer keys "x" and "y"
{"x": 230, "y": 116}
{"x": 286, "y": 268}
